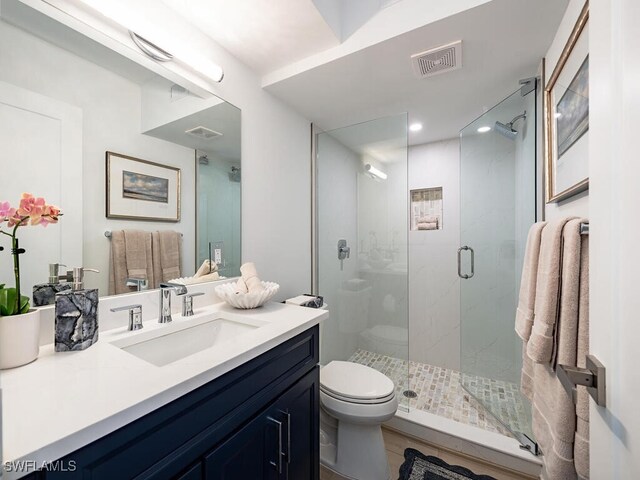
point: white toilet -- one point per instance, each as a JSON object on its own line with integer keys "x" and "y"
{"x": 355, "y": 400}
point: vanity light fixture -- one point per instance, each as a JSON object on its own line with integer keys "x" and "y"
{"x": 153, "y": 34}
{"x": 210, "y": 69}
{"x": 415, "y": 127}
{"x": 484, "y": 129}
{"x": 374, "y": 172}
{"x": 149, "y": 49}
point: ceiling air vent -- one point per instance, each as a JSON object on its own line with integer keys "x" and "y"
{"x": 203, "y": 133}
{"x": 438, "y": 60}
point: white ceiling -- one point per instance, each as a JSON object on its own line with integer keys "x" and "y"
{"x": 503, "y": 41}
{"x": 223, "y": 118}
{"x": 263, "y": 34}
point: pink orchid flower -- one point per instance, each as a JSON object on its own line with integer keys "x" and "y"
{"x": 30, "y": 206}
{"x": 49, "y": 215}
{"x": 6, "y": 211}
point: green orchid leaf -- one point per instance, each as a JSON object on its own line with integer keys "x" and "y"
{"x": 3, "y": 303}
{"x": 8, "y": 302}
{"x": 24, "y": 304}
{"x": 11, "y": 301}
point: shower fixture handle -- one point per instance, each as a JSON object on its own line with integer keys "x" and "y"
{"x": 343, "y": 250}
{"x": 466, "y": 276}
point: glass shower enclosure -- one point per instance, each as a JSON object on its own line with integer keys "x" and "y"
{"x": 497, "y": 207}
{"x": 361, "y": 246}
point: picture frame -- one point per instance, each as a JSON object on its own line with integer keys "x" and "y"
{"x": 566, "y": 114}
{"x": 138, "y": 189}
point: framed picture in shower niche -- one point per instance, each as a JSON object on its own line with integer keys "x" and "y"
{"x": 566, "y": 106}
{"x": 142, "y": 190}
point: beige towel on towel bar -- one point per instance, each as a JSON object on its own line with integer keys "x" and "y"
{"x": 130, "y": 257}
{"x": 541, "y": 345}
{"x": 166, "y": 256}
{"x": 117, "y": 264}
{"x": 524, "y": 312}
{"x": 554, "y": 413}
{"x": 138, "y": 253}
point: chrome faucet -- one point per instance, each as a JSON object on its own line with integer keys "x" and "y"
{"x": 165, "y": 299}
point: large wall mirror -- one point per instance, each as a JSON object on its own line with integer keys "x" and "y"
{"x": 147, "y": 174}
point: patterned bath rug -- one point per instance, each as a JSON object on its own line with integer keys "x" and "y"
{"x": 417, "y": 466}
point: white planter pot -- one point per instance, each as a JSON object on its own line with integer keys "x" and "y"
{"x": 19, "y": 339}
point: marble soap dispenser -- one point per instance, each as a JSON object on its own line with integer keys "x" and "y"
{"x": 76, "y": 326}
{"x": 45, "y": 293}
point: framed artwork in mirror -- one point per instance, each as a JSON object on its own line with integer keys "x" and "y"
{"x": 141, "y": 190}
{"x": 566, "y": 107}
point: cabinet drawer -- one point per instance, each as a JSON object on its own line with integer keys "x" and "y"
{"x": 165, "y": 442}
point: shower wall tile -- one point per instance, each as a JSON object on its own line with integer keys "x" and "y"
{"x": 434, "y": 287}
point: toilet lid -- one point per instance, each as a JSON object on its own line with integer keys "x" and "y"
{"x": 354, "y": 381}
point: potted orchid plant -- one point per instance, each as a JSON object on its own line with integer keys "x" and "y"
{"x": 19, "y": 324}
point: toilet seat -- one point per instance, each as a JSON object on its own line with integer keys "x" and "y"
{"x": 355, "y": 383}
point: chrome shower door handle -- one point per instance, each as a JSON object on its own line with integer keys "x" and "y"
{"x": 464, "y": 275}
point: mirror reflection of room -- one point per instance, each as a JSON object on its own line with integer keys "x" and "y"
{"x": 146, "y": 173}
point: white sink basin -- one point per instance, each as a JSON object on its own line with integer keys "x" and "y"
{"x": 181, "y": 339}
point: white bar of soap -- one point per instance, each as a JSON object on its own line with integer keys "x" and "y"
{"x": 300, "y": 299}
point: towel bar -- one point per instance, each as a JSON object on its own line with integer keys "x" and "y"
{"x": 593, "y": 377}
{"x": 584, "y": 229}
{"x": 107, "y": 234}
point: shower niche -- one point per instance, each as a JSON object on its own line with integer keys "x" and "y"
{"x": 426, "y": 209}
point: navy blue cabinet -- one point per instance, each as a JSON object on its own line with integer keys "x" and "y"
{"x": 259, "y": 421}
{"x": 278, "y": 444}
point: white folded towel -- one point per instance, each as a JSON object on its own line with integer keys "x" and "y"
{"x": 428, "y": 219}
{"x": 250, "y": 277}
{"x": 241, "y": 287}
{"x": 427, "y": 226}
{"x": 206, "y": 268}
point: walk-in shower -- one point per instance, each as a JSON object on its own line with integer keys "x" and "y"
{"x": 428, "y": 294}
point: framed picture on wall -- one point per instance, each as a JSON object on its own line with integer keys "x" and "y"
{"x": 141, "y": 190}
{"x": 566, "y": 106}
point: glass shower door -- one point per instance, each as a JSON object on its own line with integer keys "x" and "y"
{"x": 361, "y": 195}
{"x": 497, "y": 201}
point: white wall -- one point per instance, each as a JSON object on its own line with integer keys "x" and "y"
{"x": 276, "y": 173}
{"x": 434, "y": 285}
{"x": 614, "y": 257}
{"x": 111, "y": 107}
{"x": 578, "y": 205}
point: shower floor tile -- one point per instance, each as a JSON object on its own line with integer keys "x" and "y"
{"x": 439, "y": 391}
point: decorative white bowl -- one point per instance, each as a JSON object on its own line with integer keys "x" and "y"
{"x": 228, "y": 293}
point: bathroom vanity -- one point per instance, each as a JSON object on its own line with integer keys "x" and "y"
{"x": 246, "y": 408}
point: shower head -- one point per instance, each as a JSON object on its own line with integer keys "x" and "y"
{"x": 507, "y": 130}
{"x": 203, "y": 160}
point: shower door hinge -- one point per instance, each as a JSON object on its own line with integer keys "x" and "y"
{"x": 528, "y": 85}
{"x": 527, "y": 444}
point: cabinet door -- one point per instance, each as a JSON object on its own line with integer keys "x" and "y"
{"x": 193, "y": 473}
{"x": 299, "y": 410}
{"x": 280, "y": 443}
{"x": 254, "y": 452}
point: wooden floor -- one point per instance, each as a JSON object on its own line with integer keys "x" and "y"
{"x": 397, "y": 442}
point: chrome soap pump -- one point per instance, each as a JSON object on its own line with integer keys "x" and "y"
{"x": 45, "y": 293}
{"x": 76, "y": 326}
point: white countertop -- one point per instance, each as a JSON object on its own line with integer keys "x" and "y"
{"x": 64, "y": 401}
